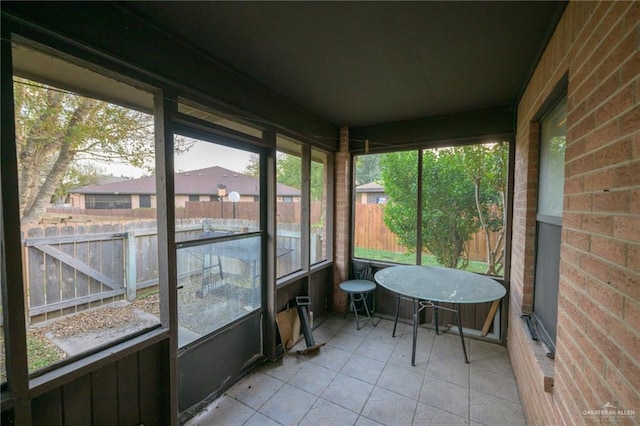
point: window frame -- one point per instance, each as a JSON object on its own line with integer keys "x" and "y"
{"x": 541, "y": 317}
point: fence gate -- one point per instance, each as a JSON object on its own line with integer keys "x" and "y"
{"x": 72, "y": 266}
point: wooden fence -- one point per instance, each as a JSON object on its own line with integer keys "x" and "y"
{"x": 69, "y": 267}
{"x": 371, "y": 232}
{"x": 286, "y": 212}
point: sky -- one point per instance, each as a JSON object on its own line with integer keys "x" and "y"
{"x": 200, "y": 156}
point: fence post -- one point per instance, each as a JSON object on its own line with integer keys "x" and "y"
{"x": 131, "y": 265}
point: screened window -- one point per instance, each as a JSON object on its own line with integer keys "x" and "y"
{"x": 457, "y": 222}
{"x": 86, "y": 286}
{"x": 288, "y": 206}
{"x": 107, "y": 201}
{"x": 219, "y": 241}
{"x": 378, "y": 176}
{"x": 318, "y": 209}
{"x": 145, "y": 201}
{"x": 549, "y": 221}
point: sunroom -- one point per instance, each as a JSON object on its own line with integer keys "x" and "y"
{"x": 237, "y": 161}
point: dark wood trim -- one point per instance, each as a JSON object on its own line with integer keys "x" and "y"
{"x": 433, "y": 132}
{"x": 12, "y": 288}
{"x": 268, "y": 223}
{"x": 164, "y": 107}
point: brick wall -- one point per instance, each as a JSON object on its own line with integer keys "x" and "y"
{"x": 342, "y": 220}
{"x": 598, "y": 340}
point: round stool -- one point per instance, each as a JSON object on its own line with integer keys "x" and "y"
{"x": 358, "y": 290}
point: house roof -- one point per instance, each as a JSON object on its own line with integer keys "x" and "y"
{"x": 370, "y": 187}
{"x": 200, "y": 182}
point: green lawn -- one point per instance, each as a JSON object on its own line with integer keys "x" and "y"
{"x": 410, "y": 258}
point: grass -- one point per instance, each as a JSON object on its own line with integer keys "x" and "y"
{"x": 410, "y": 258}
{"x": 41, "y": 352}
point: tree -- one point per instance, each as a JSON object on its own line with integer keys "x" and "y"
{"x": 55, "y": 129}
{"x": 487, "y": 167}
{"x": 449, "y": 211}
{"x": 76, "y": 176}
{"x": 368, "y": 169}
{"x": 289, "y": 172}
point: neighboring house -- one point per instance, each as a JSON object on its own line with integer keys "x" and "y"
{"x": 208, "y": 184}
{"x": 371, "y": 193}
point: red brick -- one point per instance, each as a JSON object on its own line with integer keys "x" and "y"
{"x": 601, "y": 136}
{"x": 603, "y": 341}
{"x": 627, "y": 228}
{"x": 597, "y": 224}
{"x": 600, "y": 180}
{"x": 581, "y": 128}
{"x": 627, "y": 175}
{"x": 610, "y": 299}
{"x": 632, "y": 314}
{"x": 623, "y": 391}
{"x": 596, "y": 267}
{"x": 631, "y": 69}
{"x": 594, "y": 312}
{"x": 573, "y": 185}
{"x": 608, "y": 248}
{"x": 630, "y": 121}
{"x": 633, "y": 257}
{"x": 578, "y": 202}
{"x": 619, "y": 53}
{"x": 611, "y": 201}
{"x": 603, "y": 91}
{"x": 635, "y": 201}
{"x": 615, "y": 153}
{"x": 625, "y": 281}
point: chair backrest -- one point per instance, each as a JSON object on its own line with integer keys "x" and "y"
{"x": 362, "y": 271}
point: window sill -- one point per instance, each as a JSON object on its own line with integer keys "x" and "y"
{"x": 539, "y": 351}
{"x": 68, "y": 372}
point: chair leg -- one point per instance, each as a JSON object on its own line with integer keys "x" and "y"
{"x": 435, "y": 314}
{"x": 395, "y": 323}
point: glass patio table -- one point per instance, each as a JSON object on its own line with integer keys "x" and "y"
{"x": 429, "y": 285}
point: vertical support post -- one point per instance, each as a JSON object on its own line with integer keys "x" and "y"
{"x": 164, "y": 105}
{"x": 342, "y": 231}
{"x": 268, "y": 215}
{"x": 12, "y": 279}
{"x": 131, "y": 265}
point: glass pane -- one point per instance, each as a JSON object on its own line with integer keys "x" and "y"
{"x": 463, "y": 199}
{"x": 218, "y": 282}
{"x": 385, "y": 207}
{"x": 552, "y": 147}
{"x": 288, "y": 207}
{"x": 319, "y": 179}
{"x": 217, "y": 189}
{"x": 90, "y": 252}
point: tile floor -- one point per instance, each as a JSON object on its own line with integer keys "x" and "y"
{"x": 364, "y": 377}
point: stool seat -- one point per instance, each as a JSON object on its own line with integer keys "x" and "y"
{"x": 357, "y": 286}
{"x": 357, "y": 291}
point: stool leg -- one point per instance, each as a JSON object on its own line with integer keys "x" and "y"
{"x": 363, "y": 297}
{"x": 355, "y": 310}
{"x": 347, "y": 311}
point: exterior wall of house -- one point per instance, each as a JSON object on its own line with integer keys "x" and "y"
{"x": 598, "y": 332}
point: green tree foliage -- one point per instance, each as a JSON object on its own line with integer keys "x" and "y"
{"x": 463, "y": 190}
{"x": 368, "y": 169}
{"x": 55, "y": 128}
{"x": 487, "y": 167}
{"x": 289, "y": 172}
